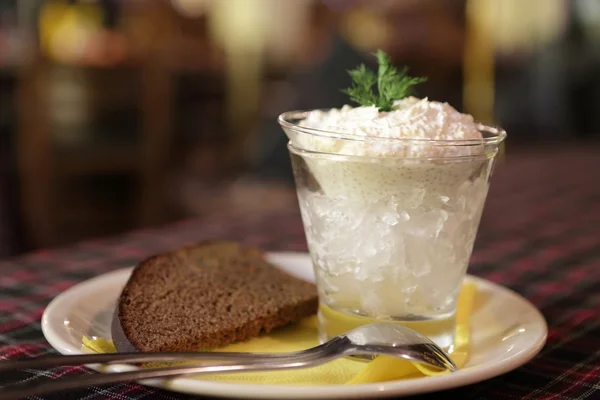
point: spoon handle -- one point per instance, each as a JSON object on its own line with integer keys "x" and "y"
{"x": 142, "y": 357}
{"x": 77, "y": 382}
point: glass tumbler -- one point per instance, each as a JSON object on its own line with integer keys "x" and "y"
{"x": 390, "y": 223}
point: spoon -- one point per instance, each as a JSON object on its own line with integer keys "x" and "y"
{"x": 366, "y": 340}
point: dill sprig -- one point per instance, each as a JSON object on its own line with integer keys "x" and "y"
{"x": 392, "y": 84}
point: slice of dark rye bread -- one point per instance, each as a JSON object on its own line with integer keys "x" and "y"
{"x": 206, "y": 296}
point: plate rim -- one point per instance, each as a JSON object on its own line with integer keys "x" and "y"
{"x": 401, "y": 387}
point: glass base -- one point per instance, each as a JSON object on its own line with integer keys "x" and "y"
{"x": 440, "y": 329}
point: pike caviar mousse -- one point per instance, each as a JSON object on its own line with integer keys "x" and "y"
{"x": 391, "y": 193}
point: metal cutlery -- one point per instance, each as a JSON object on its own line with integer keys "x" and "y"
{"x": 367, "y": 340}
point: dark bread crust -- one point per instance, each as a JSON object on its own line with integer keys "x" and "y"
{"x": 206, "y": 296}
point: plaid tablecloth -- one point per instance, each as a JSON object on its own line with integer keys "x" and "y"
{"x": 539, "y": 235}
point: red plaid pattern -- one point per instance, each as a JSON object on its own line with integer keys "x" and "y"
{"x": 539, "y": 235}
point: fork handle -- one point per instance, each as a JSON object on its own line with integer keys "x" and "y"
{"x": 77, "y": 382}
{"x": 111, "y": 358}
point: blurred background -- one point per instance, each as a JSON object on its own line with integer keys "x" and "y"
{"x": 125, "y": 114}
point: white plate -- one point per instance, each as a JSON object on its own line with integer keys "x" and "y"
{"x": 507, "y": 331}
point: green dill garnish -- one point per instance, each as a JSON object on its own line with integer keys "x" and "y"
{"x": 392, "y": 84}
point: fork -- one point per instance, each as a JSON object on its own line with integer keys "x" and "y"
{"x": 367, "y": 340}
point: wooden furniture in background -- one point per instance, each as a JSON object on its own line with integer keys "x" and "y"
{"x": 111, "y": 170}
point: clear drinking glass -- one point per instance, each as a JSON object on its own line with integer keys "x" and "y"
{"x": 390, "y": 237}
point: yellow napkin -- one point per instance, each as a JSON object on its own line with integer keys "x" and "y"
{"x": 342, "y": 371}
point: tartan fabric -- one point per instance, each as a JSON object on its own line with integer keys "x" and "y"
{"x": 539, "y": 235}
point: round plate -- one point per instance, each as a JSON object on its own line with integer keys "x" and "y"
{"x": 507, "y": 331}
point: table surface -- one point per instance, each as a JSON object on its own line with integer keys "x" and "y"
{"x": 539, "y": 235}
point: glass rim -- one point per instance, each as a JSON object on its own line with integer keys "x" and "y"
{"x": 286, "y": 120}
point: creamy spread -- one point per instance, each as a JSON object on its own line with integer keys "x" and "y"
{"x": 414, "y": 122}
{"x": 390, "y": 215}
